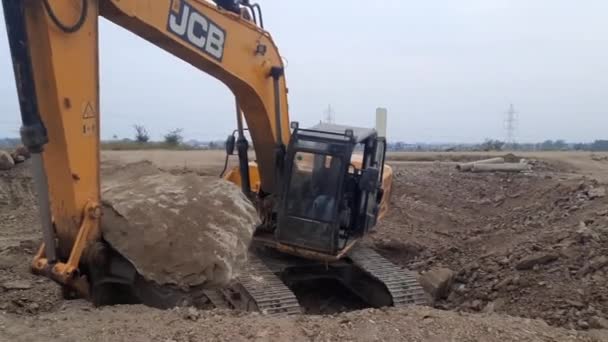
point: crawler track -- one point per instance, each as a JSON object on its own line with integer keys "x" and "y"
{"x": 260, "y": 289}
{"x": 402, "y": 284}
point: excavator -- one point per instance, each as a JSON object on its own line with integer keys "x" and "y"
{"x": 317, "y": 190}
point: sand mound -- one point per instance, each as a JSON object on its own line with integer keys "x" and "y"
{"x": 184, "y": 230}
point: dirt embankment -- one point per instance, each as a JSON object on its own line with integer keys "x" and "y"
{"x": 21, "y": 292}
{"x": 530, "y": 245}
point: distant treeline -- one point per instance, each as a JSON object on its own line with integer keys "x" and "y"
{"x": 7, "y": 143}
{"x": 497, "y": 145}
{"x": 488, "y": 145}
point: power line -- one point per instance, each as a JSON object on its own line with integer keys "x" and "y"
{"x": 328, "y": 115}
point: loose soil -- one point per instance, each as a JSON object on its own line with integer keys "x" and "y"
{"x": 484, "y": 227}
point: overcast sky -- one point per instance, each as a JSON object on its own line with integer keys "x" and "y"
{"x": 447, "y": 70}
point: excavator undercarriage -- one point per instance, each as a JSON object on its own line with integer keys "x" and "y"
{"x": 266, "y": 283}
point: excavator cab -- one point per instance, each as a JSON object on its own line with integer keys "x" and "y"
{"x": 330, "y": 198}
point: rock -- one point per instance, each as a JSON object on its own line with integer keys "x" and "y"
{"x": 21, "y": 151}
{"x": 492, "y": 269}
{"x": 504, "y": 261}
{"x": 597, "y": 322}
{"x": 511, "y": 158}
{"x": 469, "y": 268}
{"x": 599, "y": 262}
{"x": 6, "y": 161}
{"x": 489, "y": 308}
{"x": 308, "y": 332}
{"x": 568, "y": 252}
{"x": 536, "y": 259}
{"x": 598, "y": 192}
{"x": 494, "y": 306}
{"x": 598, "y": 334}
{"x": 498, "y": 199}
{"x": 585, "y": 234}
{"x": 594, "y": 264}
{"x": 437, "y": 282}
{"x": 453, "y": 297}
{"x": 516, "y": 280}
{"x": 476, "y": 305}
{"x": 582, "y": 324}
{"x": 598, "y": 278}
{"x": 588, "y": 221}
{"x": 192, "y": 314}
{"x": 17, "y": 285}
{"x": 503, "y": 283}
{"x": 407, "y": 249}
{"x": 461, "y": 289}
{"x": 575, "y": 303}
{"x": 19, "y": 159}
{"x": 180, "y": 229}
{"x": 474, "y": 240}
{"x": 488, "y": 254}
{"x": 454, "y": 249}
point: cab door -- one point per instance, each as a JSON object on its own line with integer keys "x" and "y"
{"x": 370, "y": 181}
{"x": 309, "y": 214}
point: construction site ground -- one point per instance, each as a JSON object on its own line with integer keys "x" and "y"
{"x": 528, "y": 253}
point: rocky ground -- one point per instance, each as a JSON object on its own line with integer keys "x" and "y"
{"x": 526, "y": 245}
{"x": 21, "y": 292}
{"x": 77, "y": 321}
{"x": 530, "y": 245}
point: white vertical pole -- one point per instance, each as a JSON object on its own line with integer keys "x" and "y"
{"x": 381, "y": 121}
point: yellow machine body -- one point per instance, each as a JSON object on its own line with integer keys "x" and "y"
{"x": 64, "y": 67}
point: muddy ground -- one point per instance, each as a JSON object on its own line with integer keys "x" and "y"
{"x": 528, "y": 251}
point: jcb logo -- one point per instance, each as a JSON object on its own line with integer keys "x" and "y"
{"x": 190, "y": 25}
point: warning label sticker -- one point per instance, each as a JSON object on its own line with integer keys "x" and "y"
{"x": 88, "y": 112}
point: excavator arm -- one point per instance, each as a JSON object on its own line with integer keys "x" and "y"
{"x": 54, "y": 48}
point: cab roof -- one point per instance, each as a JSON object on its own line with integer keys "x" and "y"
{"x": 360, "y": 134}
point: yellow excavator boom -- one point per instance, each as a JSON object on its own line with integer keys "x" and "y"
{"x": 54, "y": 47}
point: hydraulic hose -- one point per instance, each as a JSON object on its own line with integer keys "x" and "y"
{"x": 63, "y": 27}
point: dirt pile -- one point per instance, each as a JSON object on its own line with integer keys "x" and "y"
{"x": 16, "y": 187}
{"x": 20, "y": 291}
{"x": 527, "y": 245}
{"x": 182, "y": 230}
